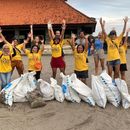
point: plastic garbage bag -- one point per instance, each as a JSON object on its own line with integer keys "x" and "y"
{"x": 85, "y": 93}
{"x": 69, "y": 92}
{"x": 98, "y": 92}
{"x": 16, "y": 90}
{"x": 46, "y": 90}
{"x": 59, "y": 96}
{"x": 27, "y": 84}
{"x": 112, "y": 92}
{"x": 122, "y": 86}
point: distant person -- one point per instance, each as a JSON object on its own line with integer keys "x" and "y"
{"x": 37, "y": 40}
{"x": 113, "y": 43}
{"x": 98, "y": 52}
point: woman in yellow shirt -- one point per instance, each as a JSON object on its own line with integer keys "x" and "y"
{"x": 34, "y": 58}
{"x": 80, "y": 55}
{"x": 5, "y": 65}
{"x": 17, "y": 59}
{"x": 113, "y": 42}
{"x": 122, "y": 52}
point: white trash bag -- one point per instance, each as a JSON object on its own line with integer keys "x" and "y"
{"x": 98, "y": 92}
{"x": 8, "y": 91}
{"x": 122, "y": 86}
{"x": 112, "y": 92}
{"x": 85, "y": 93}
{"x": 16, "y": 90}
{"x": 59, "y": 96}
{"x": 46, "y": 90}
{"x": 27, "y": 84}
{"x": 69, "y": 92}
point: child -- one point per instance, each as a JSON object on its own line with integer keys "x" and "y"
{"x": 80, "y": 55}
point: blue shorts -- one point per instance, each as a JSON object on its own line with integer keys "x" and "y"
{"x": 114, "y": 62}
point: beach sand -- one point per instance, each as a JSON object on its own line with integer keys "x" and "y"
{"x": 66, "y": 115}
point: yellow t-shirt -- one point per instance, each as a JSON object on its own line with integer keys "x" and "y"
{"x": 18, "y": 53}
{"x": 56, "y": 49}
{"x": 112, "y": 50}
{"x": 80, "y": 61}
{"x": 122, "y": 52}
{"x": 32, "y": 57}
{"x": 5, "y": 63}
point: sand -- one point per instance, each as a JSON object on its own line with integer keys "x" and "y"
{"x": 66, "y": 115}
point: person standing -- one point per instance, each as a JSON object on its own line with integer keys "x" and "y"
{"x": 5, "y": 65}
{"x": 98, "y": 52}
{"x": 34, "y": 58}
{"x": 113, "y": 42}
{"x": 80, "y": 56}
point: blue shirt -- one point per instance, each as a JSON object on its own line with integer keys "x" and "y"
{"x": 98, "y": 44}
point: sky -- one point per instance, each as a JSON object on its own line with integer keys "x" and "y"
{"x": 112, "y": 11}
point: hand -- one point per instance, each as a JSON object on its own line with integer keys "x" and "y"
{"x": 31, "y": 26}
{"x": 100, "y": 20}
{"x": 29, "y": 35}
{"x": 125, "y": 19}
{"x": 73, "y": 35}
{"x": 63, "y": 22}
{"x": 86, "y": 36}
{"x": 49, "y": 25}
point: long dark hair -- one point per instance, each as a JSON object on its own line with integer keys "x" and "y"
{"x": 80, "y": 45}
{"x": 33, "y": 47}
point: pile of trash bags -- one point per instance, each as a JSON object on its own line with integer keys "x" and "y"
{"x": 72, "y": 89}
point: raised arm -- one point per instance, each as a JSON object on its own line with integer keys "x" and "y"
{"x": 5, "y": 41}
{"x": 42, "y": 46}
{"x": 31, "y": 32}
{"x": 86, "y": 43}
{"x": 24, "y": 46}
{"x": 63, "y": 29}
{"x": 102, "y": 23}
{"x": 126, "y": 37}
{"x": 50, "y": 31}
{"x": 125, "y": 23}
{"x": 72, "y": 42}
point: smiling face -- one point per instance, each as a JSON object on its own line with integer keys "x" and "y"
{"x": 80, "y": 49}
{"x": 35, "y": 49}
{"x": 6, "y": 49}
{"x": 112, "y": 35}
{"x": 100, "y": 35}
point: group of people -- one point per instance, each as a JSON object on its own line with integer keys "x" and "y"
{"x": 11, "y": 58}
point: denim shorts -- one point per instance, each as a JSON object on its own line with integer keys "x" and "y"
{"x": 114, "y": 62}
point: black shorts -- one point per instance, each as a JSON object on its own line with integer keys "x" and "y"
{"x": 81, "y": 74}
{"x": 123, "y": 67}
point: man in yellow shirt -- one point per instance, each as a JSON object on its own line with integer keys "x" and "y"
{"x": 113, "y": 42}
